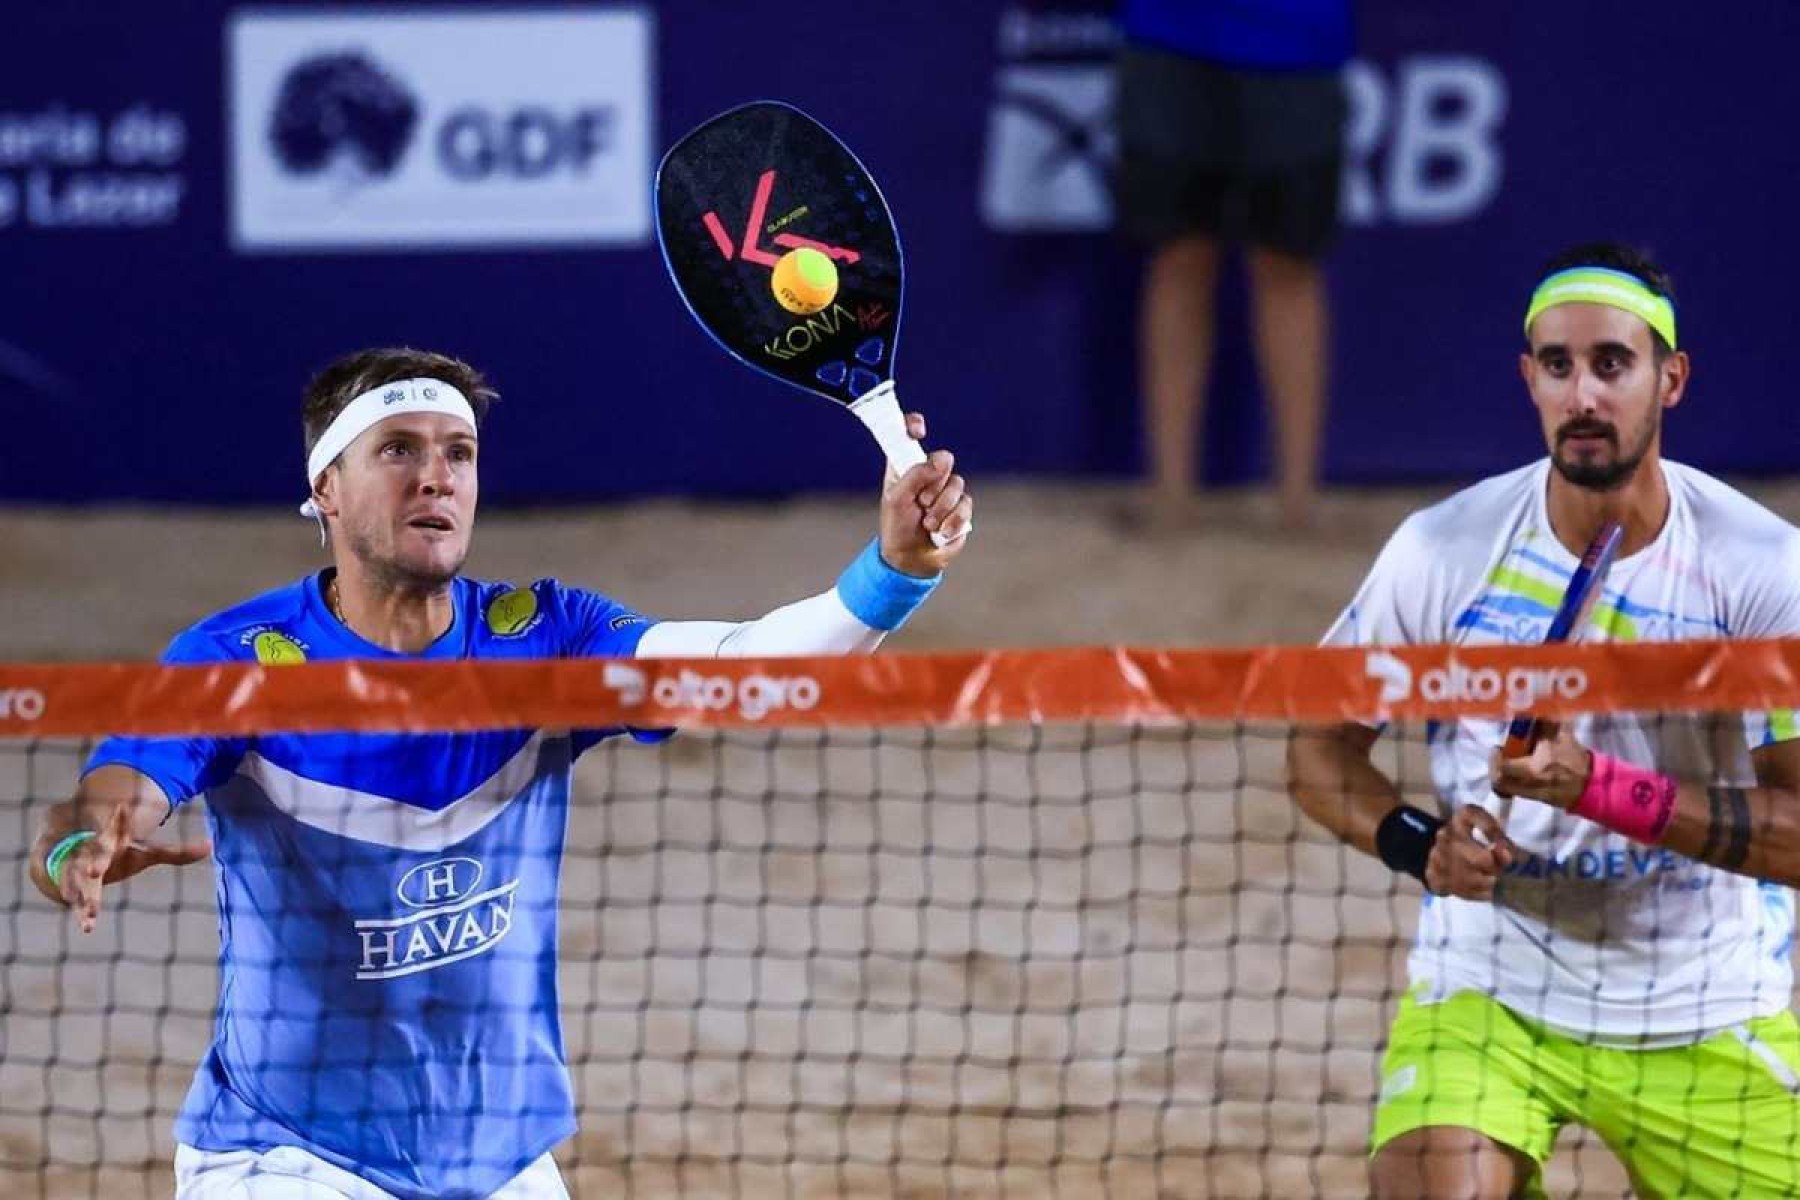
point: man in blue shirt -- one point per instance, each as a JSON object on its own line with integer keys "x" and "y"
{"x": 387, "y": 1024}
{"x": 1231, "y": 122}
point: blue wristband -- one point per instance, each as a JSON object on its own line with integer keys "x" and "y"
{"x": 879, "y": 596}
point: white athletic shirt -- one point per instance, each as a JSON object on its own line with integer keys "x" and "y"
{"x": 1594, "y": 934}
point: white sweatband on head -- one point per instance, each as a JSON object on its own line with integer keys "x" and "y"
{"x": 371, "y": 408}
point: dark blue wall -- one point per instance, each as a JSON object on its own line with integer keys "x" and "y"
{"x": 160, "y": 361}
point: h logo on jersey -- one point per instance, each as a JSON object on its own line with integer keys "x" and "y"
{"x": 452, "y": 921}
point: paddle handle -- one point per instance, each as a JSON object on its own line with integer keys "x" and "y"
{"x": 879, "y": 411}
{"x": 1521, "y": 737}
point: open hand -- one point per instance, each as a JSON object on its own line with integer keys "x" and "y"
{"x": 108, "y": 857}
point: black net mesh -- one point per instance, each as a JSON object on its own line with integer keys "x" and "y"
{"x": 1073, "y": 960}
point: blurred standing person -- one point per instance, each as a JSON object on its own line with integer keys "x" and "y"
{"x": 1231, "y": 119}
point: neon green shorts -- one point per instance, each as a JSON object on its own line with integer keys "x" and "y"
{"x": 1720, "y": 1118}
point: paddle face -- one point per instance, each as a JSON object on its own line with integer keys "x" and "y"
{"x": 1583, "y": 592}
{"x": 747, "y": 187}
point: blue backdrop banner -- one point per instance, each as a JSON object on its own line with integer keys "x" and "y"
{"x": 241, "y": 194}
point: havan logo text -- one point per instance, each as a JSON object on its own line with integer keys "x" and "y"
{"x": 453, "y": 921}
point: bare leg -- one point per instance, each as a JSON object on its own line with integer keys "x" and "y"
{"x": 1448, "y": 1162}
{"x": 1175, "y": 353}
{"x": 1292, "y": 348}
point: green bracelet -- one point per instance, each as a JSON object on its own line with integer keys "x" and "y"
{"x": 59, "y": 853}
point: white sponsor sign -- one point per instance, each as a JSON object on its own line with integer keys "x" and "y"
{"x": 392, "y": 129}
{"x": 1050, "y": 145}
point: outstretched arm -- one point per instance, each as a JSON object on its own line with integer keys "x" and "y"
{"x": 121, "y": 809}
{"x": 891, "y": 578}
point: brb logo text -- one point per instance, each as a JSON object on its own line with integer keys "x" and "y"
{"x": 507, "y": 127}
{"x": 1423, "y": 143}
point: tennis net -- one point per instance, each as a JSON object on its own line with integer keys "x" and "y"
{"x": 986, "y": 924}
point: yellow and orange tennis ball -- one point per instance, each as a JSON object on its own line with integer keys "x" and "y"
{"x": 805, "y": 280}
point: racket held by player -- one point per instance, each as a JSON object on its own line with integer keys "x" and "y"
{"x": 783, "y": 249}
{"x": 1578, "y": 601}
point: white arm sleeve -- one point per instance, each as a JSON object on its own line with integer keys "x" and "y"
{"x": 818, "y": 625}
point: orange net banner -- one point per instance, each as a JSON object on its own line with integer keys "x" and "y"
{"x": 957, "y": 689}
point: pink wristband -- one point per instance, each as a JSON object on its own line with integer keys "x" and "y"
{"x": 1633, "y": 801}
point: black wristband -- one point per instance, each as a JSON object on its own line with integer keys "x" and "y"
{"x": 1404, "y": 839}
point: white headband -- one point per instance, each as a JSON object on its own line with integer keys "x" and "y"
{"x": 373, "y": 407}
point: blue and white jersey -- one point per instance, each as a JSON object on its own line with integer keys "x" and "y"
{"x": 387, "y": 907}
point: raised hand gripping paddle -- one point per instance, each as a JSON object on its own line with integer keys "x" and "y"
{"x": 782, "y": 247}
{"x": 1579, "y": 598}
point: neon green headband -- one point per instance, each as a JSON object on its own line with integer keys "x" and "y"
{"x": 1599, "y": 285}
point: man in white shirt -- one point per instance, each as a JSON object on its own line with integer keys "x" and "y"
{"x": 1607, "y": 935}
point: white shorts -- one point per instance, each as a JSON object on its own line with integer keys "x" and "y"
{"x": 290, "y": 1173}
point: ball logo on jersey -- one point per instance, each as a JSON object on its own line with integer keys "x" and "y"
{"x": 451, "y": 921}
{"x": 512, "y": 613}
{"x": 275, "y": 649}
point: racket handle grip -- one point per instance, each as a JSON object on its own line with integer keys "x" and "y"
{"x": 879, "y": 411}
{"x": 1521, "y": 738}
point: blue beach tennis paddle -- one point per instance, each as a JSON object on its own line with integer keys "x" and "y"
{"x": 1578, "y": 601}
